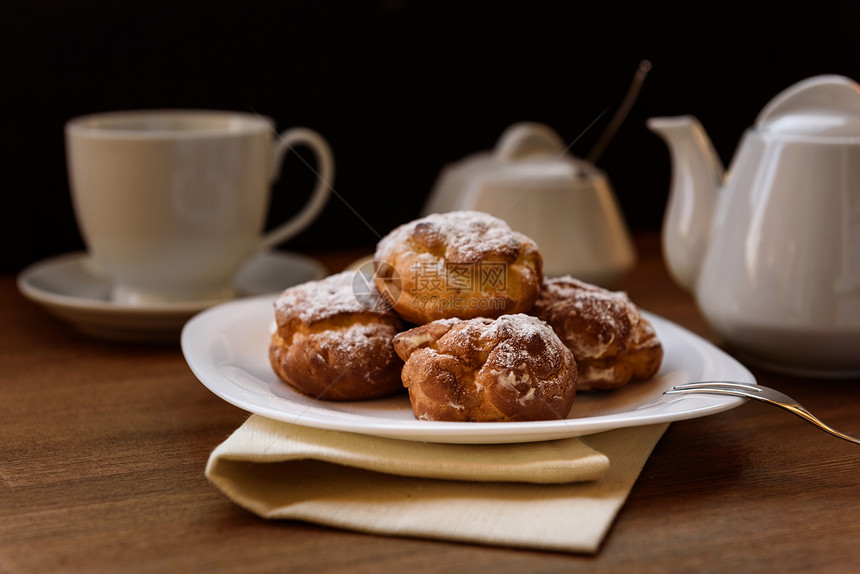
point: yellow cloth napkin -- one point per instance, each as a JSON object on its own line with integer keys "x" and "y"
{"x": 556, "y": 495}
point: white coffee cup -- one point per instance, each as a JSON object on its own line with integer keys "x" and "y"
{"x": 171, "y": 202}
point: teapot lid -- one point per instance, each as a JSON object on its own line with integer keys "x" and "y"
{"x": 826, "y": 106}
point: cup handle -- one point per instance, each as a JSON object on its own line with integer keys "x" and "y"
{"x": 320, "y": 195}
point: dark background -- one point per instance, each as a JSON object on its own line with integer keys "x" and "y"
{"x": 399, "y": 88}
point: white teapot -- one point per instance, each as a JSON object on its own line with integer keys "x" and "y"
{"x": 771, "y": 249}
{"x": 564, "y": 203}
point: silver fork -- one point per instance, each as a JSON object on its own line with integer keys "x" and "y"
{"x": 759, "y": 393}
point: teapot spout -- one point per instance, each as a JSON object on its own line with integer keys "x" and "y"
{"x": 697, "y": 175}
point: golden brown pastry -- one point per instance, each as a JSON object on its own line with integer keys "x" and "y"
{"x": 329, "y": 346}
{"x": 611, "y": 340}
{"x": 461, "y": 264}
{"x": 513, "y": 368}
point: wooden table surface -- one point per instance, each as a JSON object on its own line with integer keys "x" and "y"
{"x": 103, "y": 447}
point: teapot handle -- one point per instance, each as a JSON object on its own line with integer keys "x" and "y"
{"x": 528, "y": 138}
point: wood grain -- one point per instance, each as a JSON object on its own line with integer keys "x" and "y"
{"x": 103, "y": 447}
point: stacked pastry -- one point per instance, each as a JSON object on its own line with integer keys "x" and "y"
{"x": 490, "y": 340}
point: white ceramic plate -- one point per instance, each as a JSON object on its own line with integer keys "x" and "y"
{"x": 227, "y": 349}
{"x": 72, "y": 288}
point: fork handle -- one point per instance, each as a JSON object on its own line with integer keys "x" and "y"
{"x": 745, "y": 391}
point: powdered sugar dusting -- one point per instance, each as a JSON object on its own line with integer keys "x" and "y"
{"x": 356, "y": 341}
{"x": 606, "y": 307}
{"x": 318, "y": 300}
{"x": 463, "y": 236}
{"x": 590, "y": 319}
{"x": 523, "y": 339}
{"x": 510, "y": 368}
{"x": 610, "y": 339}
{"x": 511, "y": 343}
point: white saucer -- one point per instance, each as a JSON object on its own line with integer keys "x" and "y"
{"x": 70, "y": 287}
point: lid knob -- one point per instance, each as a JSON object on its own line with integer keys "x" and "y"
{"x": 827, "y": 105}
